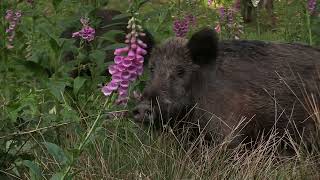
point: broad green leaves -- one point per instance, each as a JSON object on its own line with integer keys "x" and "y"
{"x": 77, "y": 84}
{"x": 57, "y": 87}
{"x": 57, "y": 153}
{"x": 35, "y": 171}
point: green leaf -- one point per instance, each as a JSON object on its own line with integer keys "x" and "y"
{"x": 113, "y": 24}
{"x": 56, "y": 44}
{"x": 114, "y": 46}
{"x": 77, "y": 84}
{"x": 56, "y": 3}
{"x": 111, "y": 35}
{"x": 97, "y": 55}
{"x": 57, "y": 176}
{"x": 14, "y": 111}
{"x": 35, "y": 171}
{"x": 98, "y": 66}
{"x": 121, "y": 16}
{"x": 56, "y": 88}
{"x": 68, "y": 114}
{"x": 57, "y": 153}
{"x": 34, "y": 67}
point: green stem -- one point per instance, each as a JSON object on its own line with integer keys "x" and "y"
{"x": 258, "y": 22}
{"x": 309, "y": 27}
{"x": 286, "y": 22}
{"x": 79, "y": 60}
{"x": 80, "y": 148}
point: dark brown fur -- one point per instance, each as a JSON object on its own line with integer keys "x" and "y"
{"x": 253, "y": 79}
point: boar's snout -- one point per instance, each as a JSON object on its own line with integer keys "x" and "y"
{"x": 143, "y": 113}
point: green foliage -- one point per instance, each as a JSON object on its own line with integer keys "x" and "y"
{"x": 57, "y": 153}
{"x": 40, "y": 102}
{"x": 35, "y": 172}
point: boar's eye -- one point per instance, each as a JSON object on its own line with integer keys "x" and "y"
{"x": 151, "y": 70}
{"x": 180, "y": 72}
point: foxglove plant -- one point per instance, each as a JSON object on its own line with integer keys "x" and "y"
{"x": 210, "y": 2}
{"x": 182, "y": 26}
{"x": 128, "y": 63}
{"x": 86, "y": 33}
{"x": 312, "y": 6}
{"x": 222, "y": 13}
{"x": 230, "y": 17}
{"x": 227, "y": 17}
{"x": 218, "y": 28}
{"x": 237, "y": 5}
{"x": 13, "y": 19}
{"x": 191, "y": 19}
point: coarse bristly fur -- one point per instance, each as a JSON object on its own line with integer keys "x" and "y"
{"x": 248, "y": 88}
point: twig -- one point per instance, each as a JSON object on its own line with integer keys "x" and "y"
{"x": 34, "y": 130}
{"x": 12, "y": 175}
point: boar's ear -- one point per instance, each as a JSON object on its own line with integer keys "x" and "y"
{"x": 203, "y": 46}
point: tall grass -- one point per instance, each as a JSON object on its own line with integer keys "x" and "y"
{"x": 122, "y": 149}
{"x": 128, "y": 156}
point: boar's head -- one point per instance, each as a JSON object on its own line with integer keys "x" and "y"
{"x": 173, "y": 64}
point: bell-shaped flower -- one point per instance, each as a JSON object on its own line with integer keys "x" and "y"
{"x": 128, "y": 63}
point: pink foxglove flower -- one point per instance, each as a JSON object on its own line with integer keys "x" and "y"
{"x": 13, "y": 19}
{"x": 218, "y": 28}
{"x": 237, "y": 5}
{"x": 312, "y": 4}
{"x": 182, "y": 26}
{"x": 87, "y": 33}
{"x": 128, "y": 63}
{"x": 191, "y": 19}
{"x": 222, "y": 13}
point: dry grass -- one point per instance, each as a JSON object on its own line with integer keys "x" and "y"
{"x": 161, "y": 157}
{"x": 129, "y": 152}
{"x": 123, "y": 150}
{"x": 135, "y": 153}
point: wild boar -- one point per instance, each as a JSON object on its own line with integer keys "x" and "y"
{"x": 212, "y": 85}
